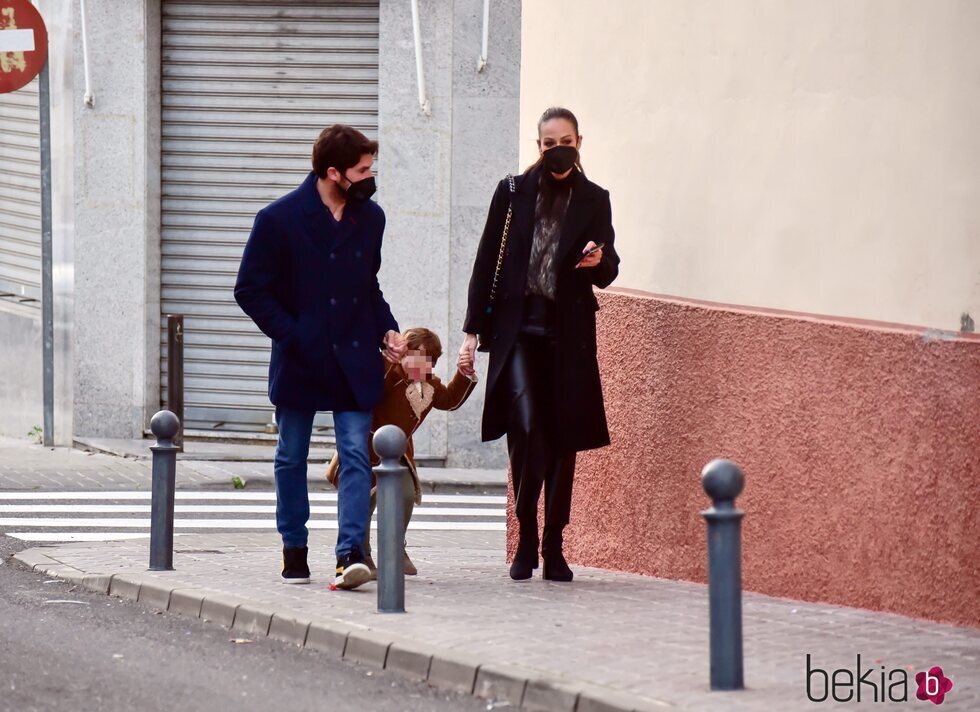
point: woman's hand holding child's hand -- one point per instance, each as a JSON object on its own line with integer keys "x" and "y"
{"x": 467, "y": 356}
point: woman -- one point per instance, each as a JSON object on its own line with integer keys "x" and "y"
{"x": 538, "y": 323}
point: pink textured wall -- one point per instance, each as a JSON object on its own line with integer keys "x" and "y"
{"x": 860, "y": 444}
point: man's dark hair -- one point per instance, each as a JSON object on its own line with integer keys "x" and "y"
{"x": 340, "y": 147}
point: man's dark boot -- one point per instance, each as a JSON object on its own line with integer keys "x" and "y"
{"x": 555, "y": 566}
{"x": 294, "y": 566}
{"x": 526, "y": 558}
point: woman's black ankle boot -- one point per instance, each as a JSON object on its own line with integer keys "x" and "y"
{"x": 525, "y": 560}
{"x": 555, "y": 566}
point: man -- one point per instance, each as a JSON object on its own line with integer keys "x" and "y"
{"x": 309, "y": 280}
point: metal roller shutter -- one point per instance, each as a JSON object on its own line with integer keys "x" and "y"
{"x": 247, "y": 86}
{"x": 20, "y": 196}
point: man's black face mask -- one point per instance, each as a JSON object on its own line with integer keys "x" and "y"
{"x": 359, "y": 191}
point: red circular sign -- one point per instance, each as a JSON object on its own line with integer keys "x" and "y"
{"x": 23, "y": 44}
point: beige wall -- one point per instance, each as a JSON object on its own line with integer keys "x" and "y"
{"x": 814, "y": 156}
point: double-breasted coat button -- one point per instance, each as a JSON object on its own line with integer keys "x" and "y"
{"x": 333, "y": 301}
{"x": 356, "y": 344}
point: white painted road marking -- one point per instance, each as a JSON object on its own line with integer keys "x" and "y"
{"x": 28, "y": 515}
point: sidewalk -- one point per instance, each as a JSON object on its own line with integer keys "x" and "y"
{"x": 25, "y": 466}
{"x": 609, "y": 641}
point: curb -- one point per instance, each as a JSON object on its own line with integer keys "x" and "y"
{"x": 440, "y": 667}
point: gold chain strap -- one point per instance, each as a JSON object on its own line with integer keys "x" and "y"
{"x": 503, "y": 244}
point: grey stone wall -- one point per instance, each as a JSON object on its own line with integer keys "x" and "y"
{"x": 117, "y": 208}
{"x": 437, "y": 174}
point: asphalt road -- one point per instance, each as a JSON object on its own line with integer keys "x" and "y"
{"x": 65, "y": 648}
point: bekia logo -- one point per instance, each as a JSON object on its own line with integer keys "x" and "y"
{"x": 874, "y": 684}
{"x": 933, "y": 685}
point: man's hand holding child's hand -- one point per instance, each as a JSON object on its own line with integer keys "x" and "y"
{"x": 395, "y": 346}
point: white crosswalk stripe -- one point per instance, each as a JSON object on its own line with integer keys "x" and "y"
{"x": 68, "y": 516}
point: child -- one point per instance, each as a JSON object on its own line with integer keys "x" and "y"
{"x": 410, "y": 392}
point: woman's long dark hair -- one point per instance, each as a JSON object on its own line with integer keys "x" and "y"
{"x": 558, "y": 112}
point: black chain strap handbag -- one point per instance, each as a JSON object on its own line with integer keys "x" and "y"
{"x": 485, "y": 336}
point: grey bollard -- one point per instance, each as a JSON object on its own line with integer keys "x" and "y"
{"x": 723, "y": 481}
{"x": 165, "y": 426}
{"x": 390, "y": 443}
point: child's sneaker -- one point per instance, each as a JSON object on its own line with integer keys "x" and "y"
{"x": 351, "y": 571}
{"x": 409, "y": 567}
{"x": 294, "y": 566}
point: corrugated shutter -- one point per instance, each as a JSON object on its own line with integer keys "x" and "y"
{"x": 20, "y": 196}
{"x": 247, "y": 86}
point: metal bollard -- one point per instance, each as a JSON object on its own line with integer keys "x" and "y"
{"x": 390, "y": 443}
{"x": 175, "y": 373}
{"x": 165, "y": 426}
{"x": 723, "y": 482}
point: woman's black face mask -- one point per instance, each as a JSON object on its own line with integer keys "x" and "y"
{"x": 361, "y": 190}
{"x": 560, "y": 158}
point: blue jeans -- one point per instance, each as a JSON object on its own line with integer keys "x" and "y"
{"x": 353, "y": 428}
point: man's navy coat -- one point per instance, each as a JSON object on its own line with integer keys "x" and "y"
{"x": 310, "y": 283}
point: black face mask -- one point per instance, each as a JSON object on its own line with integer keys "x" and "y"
{"x": 560, "y": 158}
{"x": 359, "y": 191}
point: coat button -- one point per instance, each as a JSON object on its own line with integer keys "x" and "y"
{"x": 333, "y": 256}
{"x": 356, "y": 344}
{"x": 355, "y": 300}
{"x": 335, "y": 347}
{"x": 357, "y": 254}
{"x": 333, "y": 301}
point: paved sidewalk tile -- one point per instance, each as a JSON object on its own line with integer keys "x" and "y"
{"x": 25, "y": 466}
{"x": 607, "y": 642}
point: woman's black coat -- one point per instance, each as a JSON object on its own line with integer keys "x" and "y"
{"x": 582, "y": 417}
